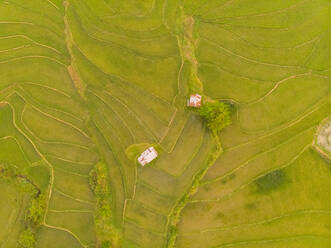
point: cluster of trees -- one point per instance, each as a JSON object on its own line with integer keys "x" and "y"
{"x": 175, "y": 215}
{"x": 36, "y": 210}
{"x": 107, "y": 234}
{"x": 27, "y": 238}
{"x": 216, "y": 114}
{"x": 37, "y": 206}
{"x": 33, "y": 220}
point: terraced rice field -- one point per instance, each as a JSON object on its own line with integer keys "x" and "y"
{"x": 82, "y": 82}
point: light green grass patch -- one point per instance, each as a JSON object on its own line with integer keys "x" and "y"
{"x": 54, "y": 98}
{"x": 186, "y": 148}
{"x": 40, "y": 175}
{"x": 319, "y": 59}
{"x": 153, "y": 199}
{"x": 81, "y": 224}
{"x": 147, "y": 219}
{"x": 133, "y": 151}
{"x": 288, "y": 101}
{"x": 302, "y": 202}
{"x": 73, "y": 185}
{"x": 61, "y": 202}
{"x": 142, "y": 237}
{"x": 228, "y": 40}
{"x": 11, "y": 153}
{"x": 212, "y": 53}
{"x": 269, "y": 188}
{"x": 68, "y": 152}
{"x": 50, "y": 129}
{"x": 54, "y": 238}
{"x": 255, "y": 167}
{"x": 220, "y": 84}
{"x": 13, "y": 203}
{"x": 132, "y": 68}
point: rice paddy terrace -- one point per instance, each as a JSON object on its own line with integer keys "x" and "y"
{"x": 85, "y": 84}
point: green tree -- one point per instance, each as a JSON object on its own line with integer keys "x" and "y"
{"x": 216, "y": 114}
{"x": 27, "y": 239}
{"x": 36, "y": 210}
{"x": 105, "y": 244}
{"x": 108, "y": 235}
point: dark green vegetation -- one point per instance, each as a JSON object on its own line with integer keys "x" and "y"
{"x": 36, "y": 204}
{"x": 85, "y": 85}
{"x": 35, "y": 212}
{"x": 27, "y": 239}
{"x": 107, "y": 235}
{"x": 216, "y": 114}
{"x": 271, "y": 181}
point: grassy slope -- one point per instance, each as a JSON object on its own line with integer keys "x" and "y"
{"x": 268, "y": 189}
{"x": 81, "y": 81}
{"x": 13, "y": 204}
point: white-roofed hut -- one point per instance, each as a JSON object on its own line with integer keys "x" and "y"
{"x": 194, "y": 101}
{"x": 147, "y": 156}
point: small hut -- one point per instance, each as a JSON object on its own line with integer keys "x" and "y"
{"x": 194, "y": 101}
{"x": 147, "y": 156}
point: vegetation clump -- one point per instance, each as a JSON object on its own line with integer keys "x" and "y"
{"x": 133, "y": 151}
{"x": 27, "y": 239}
{"x": 175, "y": 214}
{"x": 107, "y": 234}
{"x": 36, "y": 210}
{"x": 216, "y": 114}
{"x": 270, "y": 182}
{"x": 7, "y": 172}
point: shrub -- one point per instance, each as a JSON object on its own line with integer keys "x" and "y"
{"x": 98, "y": 180}
{"x": 27, "y": 239}
{"x": 107, "y": 234}
{"x": 216, "y": 114}
{"x": 36, "y": 211}
{"x": 271, "y": 181}
{"x": 7, "y": 172}
{"x": 172, "y": 236}
{"x": 105, "y": 244}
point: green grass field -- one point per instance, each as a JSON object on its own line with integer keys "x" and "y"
{"x": 83, "y": 82}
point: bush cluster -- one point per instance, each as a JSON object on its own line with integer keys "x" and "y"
{"x": 27, "y": 238}
{"x": 7, "y": 172}
{"x": 36, "y": 210}
{"x": 33, "y": 219}
{"x": 216, "y": 114}
{"x": 99, "y": 183}
{"x": 175, "y": 215}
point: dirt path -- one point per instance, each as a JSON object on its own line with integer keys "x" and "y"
{"x": 72, "y": 68}
{"x": 323, "y": 138}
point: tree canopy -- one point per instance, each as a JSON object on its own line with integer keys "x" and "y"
{"x": 27, "y": 239}
{"x": 216, "y": 114}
